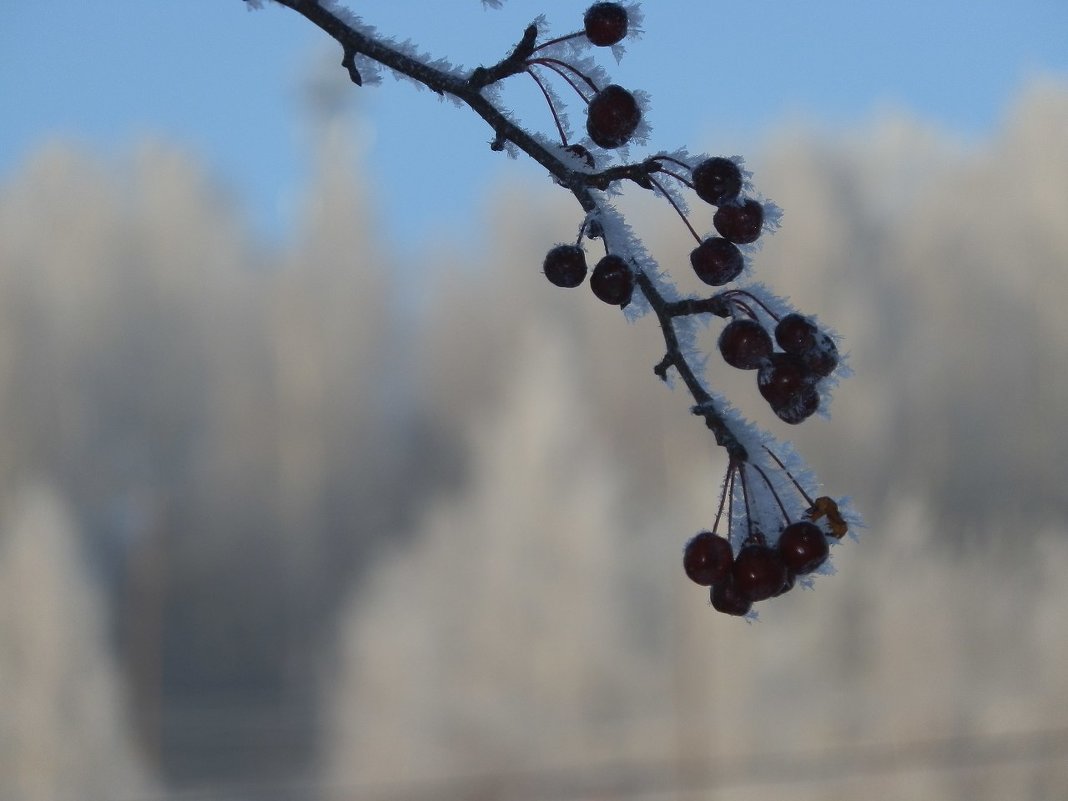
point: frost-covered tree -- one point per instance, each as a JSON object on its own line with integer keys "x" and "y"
{"x": 771, "y": 526}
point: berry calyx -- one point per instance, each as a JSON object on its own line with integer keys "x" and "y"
{"x": 717, "y": 261}
{"x": 740, "y": 222}
{"x": 744, "y": 344}
{"x": 803, "y": 547}
{"x": 726, "y": 598}
{"x": 707, "y": 559}
{"x": 612, "y": 281}
{"x": 565, "y": 265}
{"x": 612, "y": 116}
{"x": 717, "y": 180}
{"x": 605, "y": 23}
{"x": 758, "y": 572}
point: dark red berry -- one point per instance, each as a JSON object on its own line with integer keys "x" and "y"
{"x": 707, "y": 558}
{"x": 726, "y": 598}
{"x": 717, "y": 261}
{"x": 823, "y": 358}
{"x": 758, "y": 572}
{"x": 740, "y": 222}
{"x": 803, "y": 547}
{"x": 744, "y": 344}
{"x": 799, "y": 407}
{"x": 717, "y": 180}
{"x": 795, "y": 334}
{"x": 612, "y": 281}
{"x": 605, "y": 23}
{"x": 782, "y": 378}
{"x": 612, "y": 116}
{"x": 565, "y": 265}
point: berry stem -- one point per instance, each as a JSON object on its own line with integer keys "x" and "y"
{"x": 731, "y": 293}
{"x": 732, "y": 470}
{"x": 750, "y": 535}
{"x": 674, "y": 205}
{"x": 771, "y": 488}
{"x": 800, "y": 489}
{"x": 682, "y": 179}
{"x": 728, "y": 479}
{"x": 561, "y": 68}
{"x": 558, "y": 40}
{"x": 745, "y": 307}
{"x": 552, "y": 106}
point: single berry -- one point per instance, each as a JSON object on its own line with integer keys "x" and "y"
{"x": 605, "y": 23}
{"x": 726, "y": 598}
{"x": 612, "y": 281}
{"x": 799, "y": 407}
{"x": 717, "y": 261}
{"x": 803, "y": 547}
{"x": 758, "y": 572}
{"x": 796, "y": 334}
{"x": 782, "y": 378}
{"x": 740, "y": 222}
{"x": 717, "y": 180}
{"x": 800, "y": 336}
{"x": 612, "y": 116}
{"x": 823, "y": 357}
{"x": 565, "y": 265}
{"x": 744, "y": 344}
{"x": 707, "y": 558}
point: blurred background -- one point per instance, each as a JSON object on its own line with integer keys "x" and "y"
{"x": 312, "y": 487}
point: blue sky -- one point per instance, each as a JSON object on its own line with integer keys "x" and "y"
{"x": 225, "y": 84}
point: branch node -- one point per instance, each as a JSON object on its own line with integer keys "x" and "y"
{"x": 349, "y": 63}
{"x": 662, "y": 368}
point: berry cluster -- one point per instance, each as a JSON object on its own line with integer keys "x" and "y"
{"x": 759, "y": 557}
{"x": 776, "y": 533}
{"x": 788, "y": 378}
{"x": 763, "y": 567}
{"x": 612, "y": 280}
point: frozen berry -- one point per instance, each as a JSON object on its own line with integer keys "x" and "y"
{"x": 740, "y": 222}
{"x": 803, "y": 547}
{"x": 823, "y": 358}
{"x": 707, "y": 558}
{"x": 565, "y": 265}
{"x": 605, "y": 23}
{"x": 726, "y": 598}
{"x": 795, "y": 334}
{"x": 612, "y": 281}
{"x": 717, "y": 261}
{"x": 744, "y": 344}
{"x": 612, "y": 116}
{"x": 782, "y": 378}
{"x": 717, "y": 180}
{"x": 758, "y": 572}
{"x": 798, "y": 407}
{"x": 800, "y": 336}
